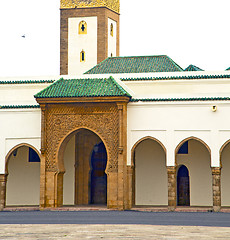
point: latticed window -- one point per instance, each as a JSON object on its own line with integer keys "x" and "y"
{"x": 82, "y": 56}
{"x": 82, "y": 27}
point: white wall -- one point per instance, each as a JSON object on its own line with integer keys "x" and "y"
{"x": 225, "y": 176}
{"x": 78, "y": 42}
{"x": 150, "y": 174}
{"x": 23, "y": 181}
{"x": 69, "y": 176}
{"x": 112, "y": 40}
{"x": 200, "y": 175}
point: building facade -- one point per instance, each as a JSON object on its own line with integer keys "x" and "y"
{"x": 131, "y": 131}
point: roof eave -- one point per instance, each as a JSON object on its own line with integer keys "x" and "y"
{"x": 83, "y": 99}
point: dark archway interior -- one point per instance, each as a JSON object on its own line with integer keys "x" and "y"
{"x": 98, "y": 175}
{"x": 183, "y": 192}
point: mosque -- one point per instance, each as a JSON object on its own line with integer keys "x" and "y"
{"x": 114, "y": 131}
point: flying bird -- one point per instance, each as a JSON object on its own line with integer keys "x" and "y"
{"x": 24, "y": 36}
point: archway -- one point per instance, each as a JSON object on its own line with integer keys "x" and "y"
{"x": 196, "y": 156}
{"x": 85, "y": 160}
{"x": 23, "y": 176}
{"x": 225, "y": 176}
{"x": 150, "y": 173}
{"x": 183, "y": 191}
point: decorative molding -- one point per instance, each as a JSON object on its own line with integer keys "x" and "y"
{"x": 114, "y": 5}
{"x": 61, "y": 120}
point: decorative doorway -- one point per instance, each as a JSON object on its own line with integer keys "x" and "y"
{"x": 183, "y": 192}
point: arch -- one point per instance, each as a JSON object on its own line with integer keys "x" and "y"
{"x": 82, "y": 27}
{"x": 153, "y": 158}
{"x": 141, "y": 140}
{"x": 198, "y": 161}
{"x": 191, "y": 138}
{"x": 15, "y": 148}
{"x": 223, "y": 146}
{"x": 65, "y": 140}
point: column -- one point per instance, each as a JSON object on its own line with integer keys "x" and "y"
{"x": 171, "y": 188}
{"x": 216, "y": 188}
{"x": 2, "y": 191}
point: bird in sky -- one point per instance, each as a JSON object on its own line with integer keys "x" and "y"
{"x": 23, "y": 36}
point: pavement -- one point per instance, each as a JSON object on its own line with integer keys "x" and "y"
{"x": 95, "y": 232}
{"x": 111, "y": 231}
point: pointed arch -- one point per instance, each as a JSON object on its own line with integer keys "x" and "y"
{"x": 15, "y": 148}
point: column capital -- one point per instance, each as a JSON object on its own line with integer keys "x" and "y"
{"x": 216, "y": 170}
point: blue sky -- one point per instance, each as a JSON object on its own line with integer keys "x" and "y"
{"x": 189, "y": 31}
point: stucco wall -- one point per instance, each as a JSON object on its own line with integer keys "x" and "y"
{"x": 150, "y": 174}
{"x": 78, "y": 42}
{"x": 23, "y": 181}
{"x": 112, "y": 40}
{"x": 198, "y": 163}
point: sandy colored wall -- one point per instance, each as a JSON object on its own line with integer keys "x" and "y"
{"x": 151, "y": 174}
{"x": 68, "y": 180}
{"x": 23, "y": 182}
{"x": 198, "y": 164}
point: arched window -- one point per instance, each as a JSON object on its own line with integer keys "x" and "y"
{"x": 82, "y": 56}
{"x": 111, "y": 29}
{"x": 82, "y": 27}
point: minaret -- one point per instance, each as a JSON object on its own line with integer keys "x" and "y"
{"x": 89, "y": 34}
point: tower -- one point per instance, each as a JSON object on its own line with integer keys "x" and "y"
{"x": 89, "y": 34}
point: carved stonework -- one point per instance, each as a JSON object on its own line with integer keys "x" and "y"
{"x": 101, "y": 118}
{"x": 111, "y": 4}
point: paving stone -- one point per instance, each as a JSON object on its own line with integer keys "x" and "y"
{"x": 108, "y": 232}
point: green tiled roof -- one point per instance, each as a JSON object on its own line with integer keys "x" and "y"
{"x": 194, "y": 77}
{"x": 180, "y": 99}
{"x": 141, "y": 64}
{"x": 26, "y": 81}
{"x": 228, "y": 69}
{"x": 192, "y": 68}
{"x": 18, "y": 106}
{"x": 65, "y": 88}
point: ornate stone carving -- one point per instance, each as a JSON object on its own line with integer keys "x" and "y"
{"x": 61, "y": 120}
{"x": 111, "y": 4}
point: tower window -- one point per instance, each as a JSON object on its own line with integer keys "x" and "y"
{"x": 82, "y": 56}
{"x": 82, "y": 27}
{"x": 111, "y": 29}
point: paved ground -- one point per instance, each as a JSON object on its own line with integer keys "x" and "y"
{"x": 65, "y": 225}
{"x": 66, "y": 232}
{"x": 117, "y": 217}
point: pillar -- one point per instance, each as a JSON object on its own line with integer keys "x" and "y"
{"x": 216, "y": 188}
{"x": 130, "y": 183}
{"x": 171, "y": 188}
{"x": 2, "y": 191}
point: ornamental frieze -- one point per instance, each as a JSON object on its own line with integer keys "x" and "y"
{"x": 111, "y": 4}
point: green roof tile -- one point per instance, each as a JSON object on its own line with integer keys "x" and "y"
{"x": 180, "y": 99}
{"x": 26, "y": 81}
{"x": 228, "y": 69}
{"x": 191, "y": 68}
{"x": 18, "y": 106}
{"x": 193, "y": 77}
{"x": 67, "y": 88}
{"x": 141, "y": 64}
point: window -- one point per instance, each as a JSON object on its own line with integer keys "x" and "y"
{"x": 82, "y": 28}
{"x": 184, "y": 148}
{"x": 33, "y": 156}
{"x": 82, "y": 56}
{"x": 111, "y": 29}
